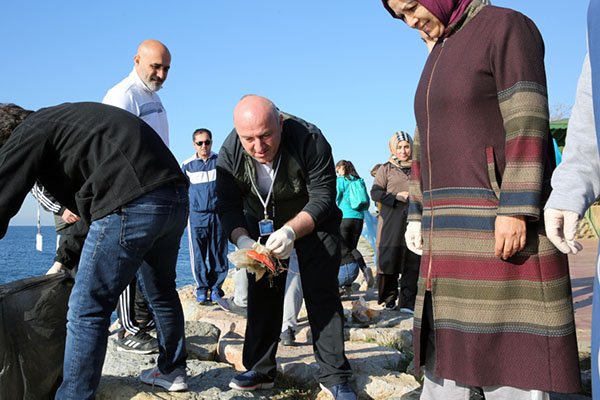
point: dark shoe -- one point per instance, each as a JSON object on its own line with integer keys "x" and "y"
{"x": 146, "y": 326}
{"x": 346, "y": 290}
{"x": 201, "y": 296}
{"x": 176, "y": 381}
{"x": 230, "y": 306}
{"x": 288, "y": 338}
{"x": 140, "y": 343}
{"x": 390, "y": 305}
{"x": 341, "y": 391}
{"x": 251, "y": 380}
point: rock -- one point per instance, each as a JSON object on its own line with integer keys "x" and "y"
{"x": 124, "y": 364}
{"x": 229, "y": 284}
{"x": 207, "y": 380}
{"x": 379, "y": 347}
{"x": 201, "y": 340}
{"x": 389, "y": 386}
{"x": 376, "y": 367}
{"x": 399, "y": 337}
{"x": 377, "y": 370}
{"x": 210, "y": 313}
{"x": 230, "y": 350}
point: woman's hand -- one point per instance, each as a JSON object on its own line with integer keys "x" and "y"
{"x": 511, "y": 234}
{"x": 402, "y": 196}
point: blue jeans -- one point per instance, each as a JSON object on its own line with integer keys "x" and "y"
{"x": 348, "y": 273}
{"x": 141, "y": 237}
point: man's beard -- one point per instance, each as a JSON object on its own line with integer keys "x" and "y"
{"x": 154, "y": 85}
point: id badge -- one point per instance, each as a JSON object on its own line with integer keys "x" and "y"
{"x": 265, "y": 227}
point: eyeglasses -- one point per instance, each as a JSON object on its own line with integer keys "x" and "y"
{"x": 206, "y": 142}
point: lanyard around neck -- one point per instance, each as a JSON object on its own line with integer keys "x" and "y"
{"x": 265, "y": 202}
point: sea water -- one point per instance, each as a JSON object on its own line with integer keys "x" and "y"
{"x": 19, "y": 258}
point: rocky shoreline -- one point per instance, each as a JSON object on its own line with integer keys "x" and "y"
{"x": 378, "y": 345}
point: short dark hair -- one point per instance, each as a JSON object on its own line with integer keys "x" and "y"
{"x": 202, "y": 130}
{"x": 11, "y": 115}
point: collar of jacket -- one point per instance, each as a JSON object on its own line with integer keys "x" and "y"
{"x": 471, "y": 11}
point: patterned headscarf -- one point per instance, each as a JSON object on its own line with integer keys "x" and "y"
{"x": 396, "y": 138}
{"x": 447, "y": 11}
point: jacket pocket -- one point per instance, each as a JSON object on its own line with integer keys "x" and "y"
{"x": 491, "y": 169}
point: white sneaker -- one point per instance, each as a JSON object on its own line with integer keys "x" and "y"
{"x": 176, "y": 381}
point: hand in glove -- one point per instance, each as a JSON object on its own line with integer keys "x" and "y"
{"x": 413, "y": 238}
{"x": 56, "y": 268}
{"x": 402, "y": 196}
{"x": 561, "y": 227}
{"x": 281, "y": 242}
{"x": 245, "y": 242}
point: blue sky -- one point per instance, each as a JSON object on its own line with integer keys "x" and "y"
{"x": 346, "y": 66}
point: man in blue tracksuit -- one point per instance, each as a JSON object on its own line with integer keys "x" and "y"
{"x": 206, "y": 239}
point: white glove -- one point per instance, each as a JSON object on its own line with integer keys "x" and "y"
{"x": 281, "y": 242}
{"x": 413, "y": 238}
{"x": 56, "y": 268}
{"x": 561, "y": 228}
{"x": 245, "y": 242}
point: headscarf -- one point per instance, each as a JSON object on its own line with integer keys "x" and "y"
{"x": 396, "y": 138}
{"x": 447, "y": 11}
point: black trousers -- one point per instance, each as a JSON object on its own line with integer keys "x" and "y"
{"x": 350, "y": 229}
{"x": 387, "y": 284}
{"x": 319, "y": 259}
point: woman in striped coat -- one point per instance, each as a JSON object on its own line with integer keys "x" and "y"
{"x": 494, "y": 307}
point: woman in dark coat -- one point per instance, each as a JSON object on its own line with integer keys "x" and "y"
{"x": 390, "y": 189}
{"x": 494, "y": 307}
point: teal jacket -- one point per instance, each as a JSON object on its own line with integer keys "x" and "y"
{"x": 342, "y": 200}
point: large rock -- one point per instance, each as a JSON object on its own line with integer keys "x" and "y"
{"x": 379, "y": 347}
{"x": 201, "y": 342}
{"x": 397, "y": 336}
{"x": 230, "y": 350}
{"x": 209, "y": 313}
{"x": 124, "y": 364}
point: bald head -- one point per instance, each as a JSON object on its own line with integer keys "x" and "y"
{"x": 251, "y": 109}
{"x": 152, "y": 62}
{"x": 258, "y": 125}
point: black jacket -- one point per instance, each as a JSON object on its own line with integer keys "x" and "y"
{"x": 92, "y": 157}
{"x": 305, "y": 181}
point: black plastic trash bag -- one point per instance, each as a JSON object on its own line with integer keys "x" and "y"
{"x": 33, "y": 317}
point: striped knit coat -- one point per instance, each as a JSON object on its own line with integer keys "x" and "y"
{"x": 481, "y": 151}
